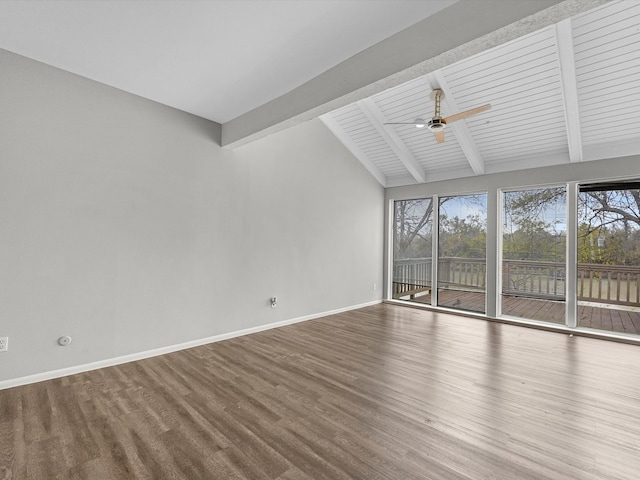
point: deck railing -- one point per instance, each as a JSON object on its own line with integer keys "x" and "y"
{"x": 529, "y": 278}
{"x": 526, "y": 278}
{"x": 411, "y": 276}
{"x": 609, "y": 284}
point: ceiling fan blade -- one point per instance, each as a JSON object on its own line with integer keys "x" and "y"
{"x": 399, "y": 123}
{"x": 468, "y": 113}
{"x": 439, "y": 136}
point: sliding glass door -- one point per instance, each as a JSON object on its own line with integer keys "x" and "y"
{"x": 412, "y": 246}
{"x": 608, "y": 283}
{"x": 462, "y": 247}
{"x": 440, "y": 254}
{"x": 534, "y": 254}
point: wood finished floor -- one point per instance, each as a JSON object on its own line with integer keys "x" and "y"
{"x": 384, "y": 392}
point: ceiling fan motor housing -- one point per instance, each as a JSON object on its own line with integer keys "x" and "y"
{"x": 436, "y": 124}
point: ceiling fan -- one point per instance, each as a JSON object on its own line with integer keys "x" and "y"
{"x": 437, "y": 123}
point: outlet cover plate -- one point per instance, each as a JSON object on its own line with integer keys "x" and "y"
{"x": 4, "y": 344}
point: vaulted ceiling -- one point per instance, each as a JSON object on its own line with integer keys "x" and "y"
{"x": 569, "y": 92}
{"x": 563, "y": 92}
{"x": 260, "y": 66}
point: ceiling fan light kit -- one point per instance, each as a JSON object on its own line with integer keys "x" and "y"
{"x": 437, "y": 123}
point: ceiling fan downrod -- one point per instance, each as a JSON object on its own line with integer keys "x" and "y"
{"x": 437, "y": 123}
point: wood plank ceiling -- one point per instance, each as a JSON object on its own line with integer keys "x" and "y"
{"x": 567, "y": 93}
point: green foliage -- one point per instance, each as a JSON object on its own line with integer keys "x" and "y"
{"x": 608, "y": 245}
{"x": 588, "y": 250}
{"x": 608, "y": 231}
{"x": 530, "y": 225}
{"x": 534, "y": 240}
{"x": 463, "y": 237}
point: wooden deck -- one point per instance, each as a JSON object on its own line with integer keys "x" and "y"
{"x": 610, "y": 319}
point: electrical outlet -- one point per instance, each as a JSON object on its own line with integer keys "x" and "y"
{"x": 4, "y": 344}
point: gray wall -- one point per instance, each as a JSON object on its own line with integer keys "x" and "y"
{"x": 124, "y": 225}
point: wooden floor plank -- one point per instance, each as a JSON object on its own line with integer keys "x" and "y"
{"x": 384, "y": 392}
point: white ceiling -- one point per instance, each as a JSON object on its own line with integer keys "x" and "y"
{"x": 215, "y": 59}
{"x": 567, "y": 93}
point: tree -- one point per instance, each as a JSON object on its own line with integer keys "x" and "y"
{"x": 534, "y": 240}
{"x": 526, "y": 204}
{"x": 463, "y": 237}
{"x": 531, "y": 221}
{"x": 413, "y": 224}
{"x": 619, "y": 207}
{"x": 608, "y": 219}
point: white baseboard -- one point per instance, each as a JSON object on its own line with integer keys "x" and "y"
{"x": 63, "y": 372}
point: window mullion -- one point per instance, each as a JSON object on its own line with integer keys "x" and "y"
{"x": 435, "y": 238}
{"x": 572, "y": 255}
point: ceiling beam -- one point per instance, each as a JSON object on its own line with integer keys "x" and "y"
{"x": 569, "y": 83}
{"x": 337, "y": 130}
{"x": 459, "y": 128}
{"x": 462, "y": 30}
{"x": 376, "y": 117}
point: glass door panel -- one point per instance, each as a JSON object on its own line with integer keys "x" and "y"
{"x": 413, "y": 224}
{"x": 608, "y": 284}
{"x": 462, "y": 246}
{"x": 534, "y": 254}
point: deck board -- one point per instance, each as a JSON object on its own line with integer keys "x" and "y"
{"x": 616, "y": 319}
